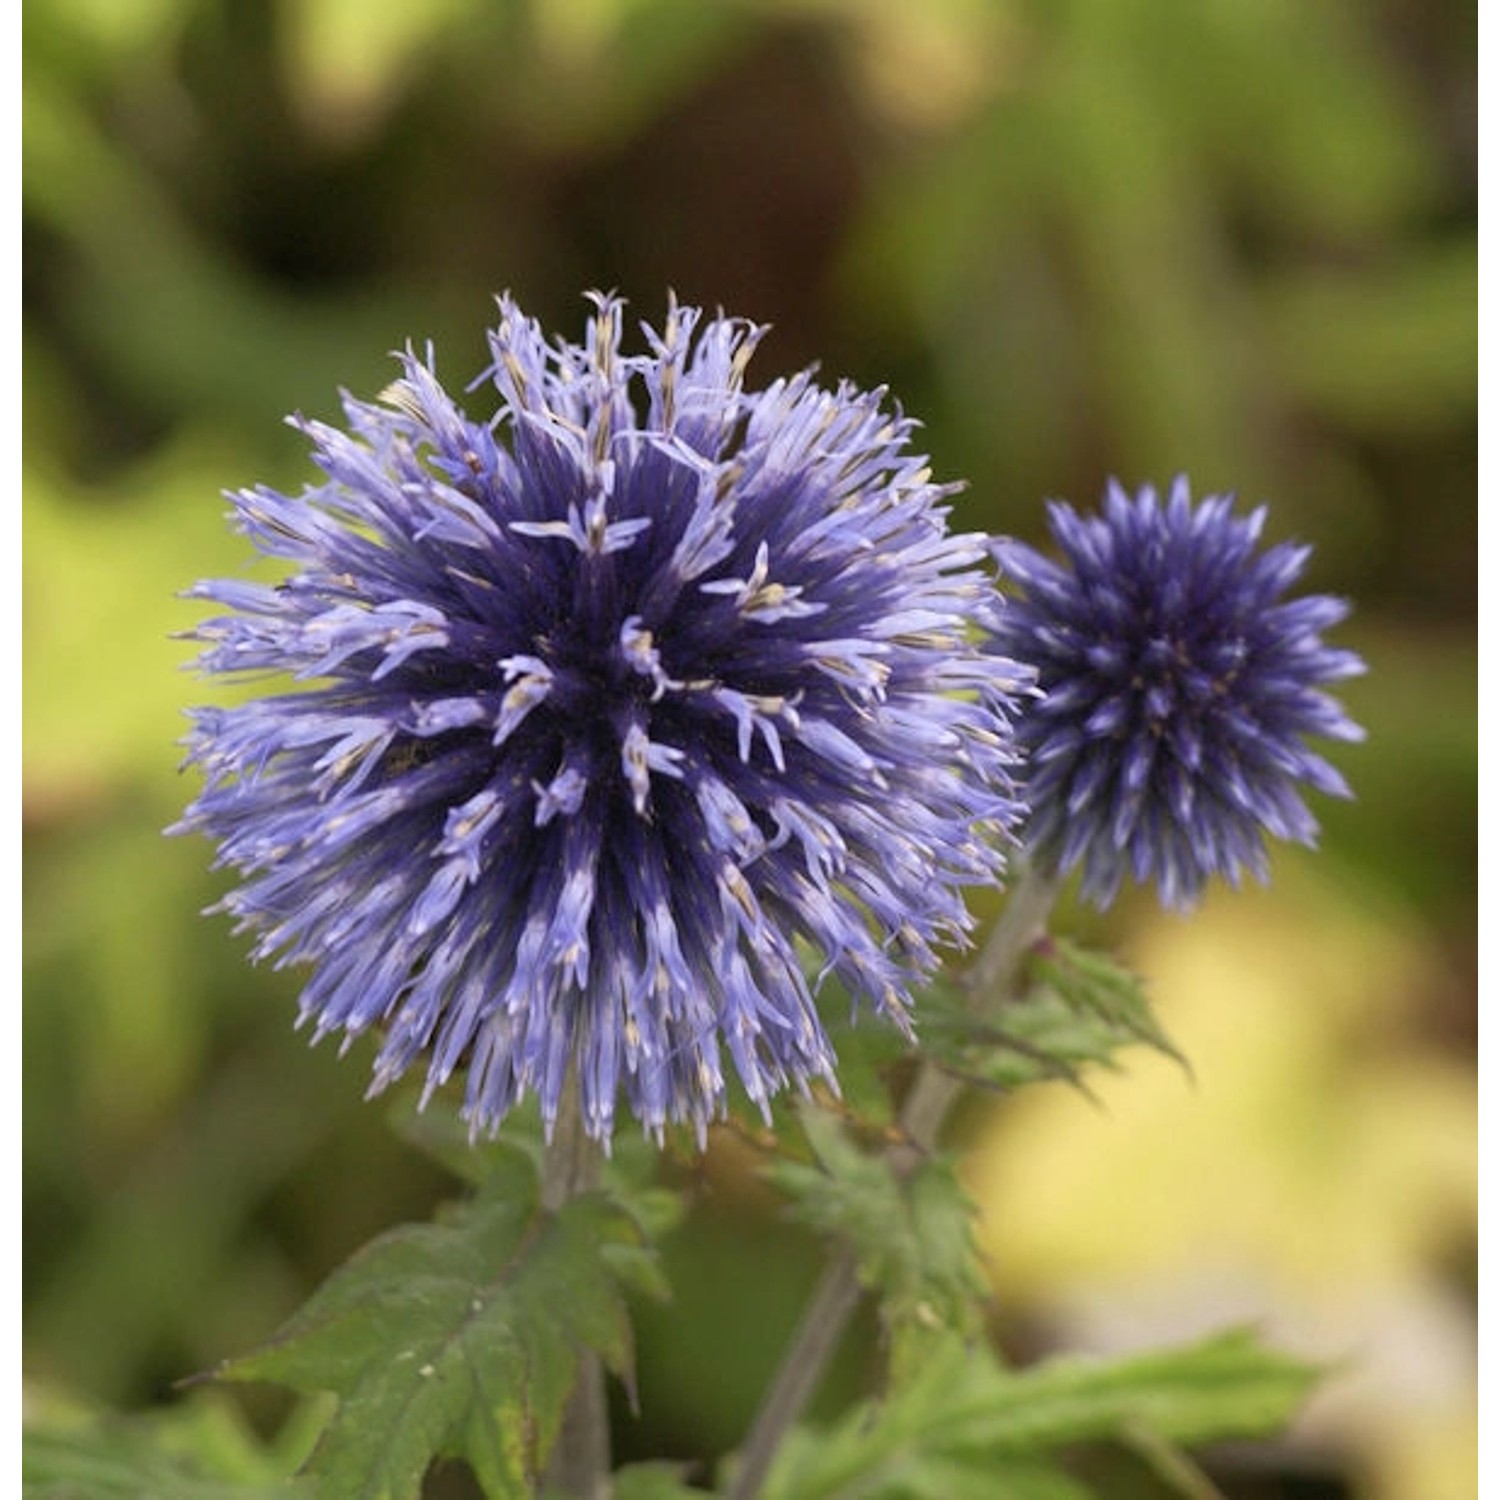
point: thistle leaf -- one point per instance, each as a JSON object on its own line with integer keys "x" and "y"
{"x": 1080, "y": 1009}
{"x": 969, "y": 1418}
{"x": 912, "y": 1237}
{"x": 199, "y": 1450}
{"x": 459, "y": 1339}
{"x": 1095, "y": 984}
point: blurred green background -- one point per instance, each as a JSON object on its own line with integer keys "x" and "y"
{"x": 1078, "y": 238}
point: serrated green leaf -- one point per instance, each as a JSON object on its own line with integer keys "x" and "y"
{"x": 94, "y": 1466}
{"x": 458, "y": 1339}
{"x": 1081, "y": 1009}
{"x": 912, "y": 1237}
{"x": 963, "y": 1407}
{"x": 1229, "y": 1385}
{"x": 439, "y": 1132}
{"x": 1096, "y": 984}
{"x": 199, "y": 1451}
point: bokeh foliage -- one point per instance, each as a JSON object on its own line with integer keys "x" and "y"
{"x": 1077, "y": 237}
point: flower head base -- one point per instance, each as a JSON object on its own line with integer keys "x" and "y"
{"x": 1176, "y": 693}
{"x": 614, "y": 701}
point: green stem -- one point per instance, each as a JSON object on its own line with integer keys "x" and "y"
{"x": 579, "y": 1466}
{"x": 991, "y": 980}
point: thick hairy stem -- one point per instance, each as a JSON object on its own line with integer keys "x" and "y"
{"x": 579, "y": 1466}
{"x": 991, "y": 980}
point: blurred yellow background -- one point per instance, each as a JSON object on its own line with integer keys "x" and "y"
{"x": 1232, "y": 237}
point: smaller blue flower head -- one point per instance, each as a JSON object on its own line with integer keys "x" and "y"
{"x": 1178, "y": 690}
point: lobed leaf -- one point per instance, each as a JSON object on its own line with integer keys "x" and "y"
{"x": 911, "y": 1236}
{"x": 199, "y": 1450}
{"x": 459, "y": 1339}
{"x": 1080, "y": 1009}
{"x": 970, "y": 1416}
{"x": 1095, "y": 984}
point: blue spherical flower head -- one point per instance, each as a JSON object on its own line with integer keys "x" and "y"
{"x": 1177, "y": 692}
{"x": 605, "y": 710}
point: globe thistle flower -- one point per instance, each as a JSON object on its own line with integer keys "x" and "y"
{"x": 605, "y": 710}
{"x": 1176, "y": 692}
